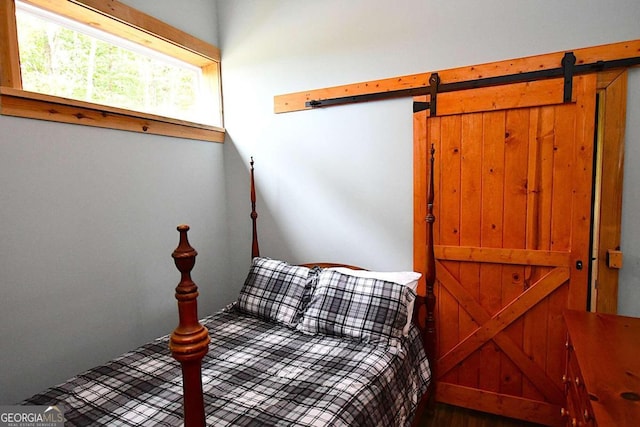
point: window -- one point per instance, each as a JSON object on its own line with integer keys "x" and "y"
{"x": 81, "y": 61}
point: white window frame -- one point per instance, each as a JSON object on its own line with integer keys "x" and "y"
{"x": 126, "y": 22}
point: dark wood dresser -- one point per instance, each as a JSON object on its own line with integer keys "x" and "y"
{"x": 602, "y": 379}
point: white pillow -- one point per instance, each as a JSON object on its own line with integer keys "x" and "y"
{"x": 406, "y": 278}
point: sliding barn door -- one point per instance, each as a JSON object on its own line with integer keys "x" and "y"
{"x": 513, "y": 184}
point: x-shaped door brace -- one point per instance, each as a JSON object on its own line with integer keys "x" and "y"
{"x": 492, "y": 328}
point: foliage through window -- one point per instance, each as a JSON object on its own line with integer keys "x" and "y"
{"x": 64, "y": 54}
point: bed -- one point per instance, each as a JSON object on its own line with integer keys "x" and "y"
{"x": 303, "y": 345}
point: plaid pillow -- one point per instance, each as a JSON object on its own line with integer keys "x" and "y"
{"x": 406, "y": 278}
{"x": 367, "y": 309}
{"x": 274, "y": 291}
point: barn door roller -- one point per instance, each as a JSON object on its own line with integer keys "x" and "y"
{"x": 568, "y": 64}
{"x": 434, "y": 84}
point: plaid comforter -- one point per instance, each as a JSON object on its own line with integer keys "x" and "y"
{"x": 256, "y": 373}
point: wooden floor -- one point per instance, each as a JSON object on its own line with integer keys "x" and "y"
{"x": 453, "y": 416}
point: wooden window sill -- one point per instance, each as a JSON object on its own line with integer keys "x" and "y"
{"x": 20, "y": 103}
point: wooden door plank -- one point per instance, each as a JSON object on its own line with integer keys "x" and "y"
{"x": 563, "y": 195}
{"x": 546, "y": 141}
{"x": 536, "y": 321}
{"x": 471, "y": 177}
{"x": 510, "y": 406}
{"x": 534, "y": 181}
{"x": 502, "y": 255}
{"x": 515, "y": 207}
{"x": 518, "y": 95}
{"x": 563, "y": 164}
{"x": 449, "y": 200}
{"x": 532, "y": 331}
{"x": 433, "y": 139}
{"x": 491, "y": 229}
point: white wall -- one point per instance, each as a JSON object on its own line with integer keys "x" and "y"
{"x": 336, "y": 183}
{"x": 629, "y": 279}
{"x": 88, "y": 222}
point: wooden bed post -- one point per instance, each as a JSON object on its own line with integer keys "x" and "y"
{"x": 424, "y": 308}
{"x": 255, "y": 250}
{"x": 430, "y": 273}
{"x": 189, "y": 342}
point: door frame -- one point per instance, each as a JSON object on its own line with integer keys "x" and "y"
{"x": 608, "y": 182}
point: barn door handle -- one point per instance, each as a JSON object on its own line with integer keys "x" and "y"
{"x": 579, "y": 265}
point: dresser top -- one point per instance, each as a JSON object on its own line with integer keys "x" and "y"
{"x": 607, "y": 348}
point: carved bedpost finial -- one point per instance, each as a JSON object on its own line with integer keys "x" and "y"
{"x": 189, "y": 342}
{"x": 185, "y": 258}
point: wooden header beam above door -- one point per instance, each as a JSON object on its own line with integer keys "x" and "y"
{"x": 412, "y": 85}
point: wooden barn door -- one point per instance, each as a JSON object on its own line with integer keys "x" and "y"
{"x": 513, "y": 194}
